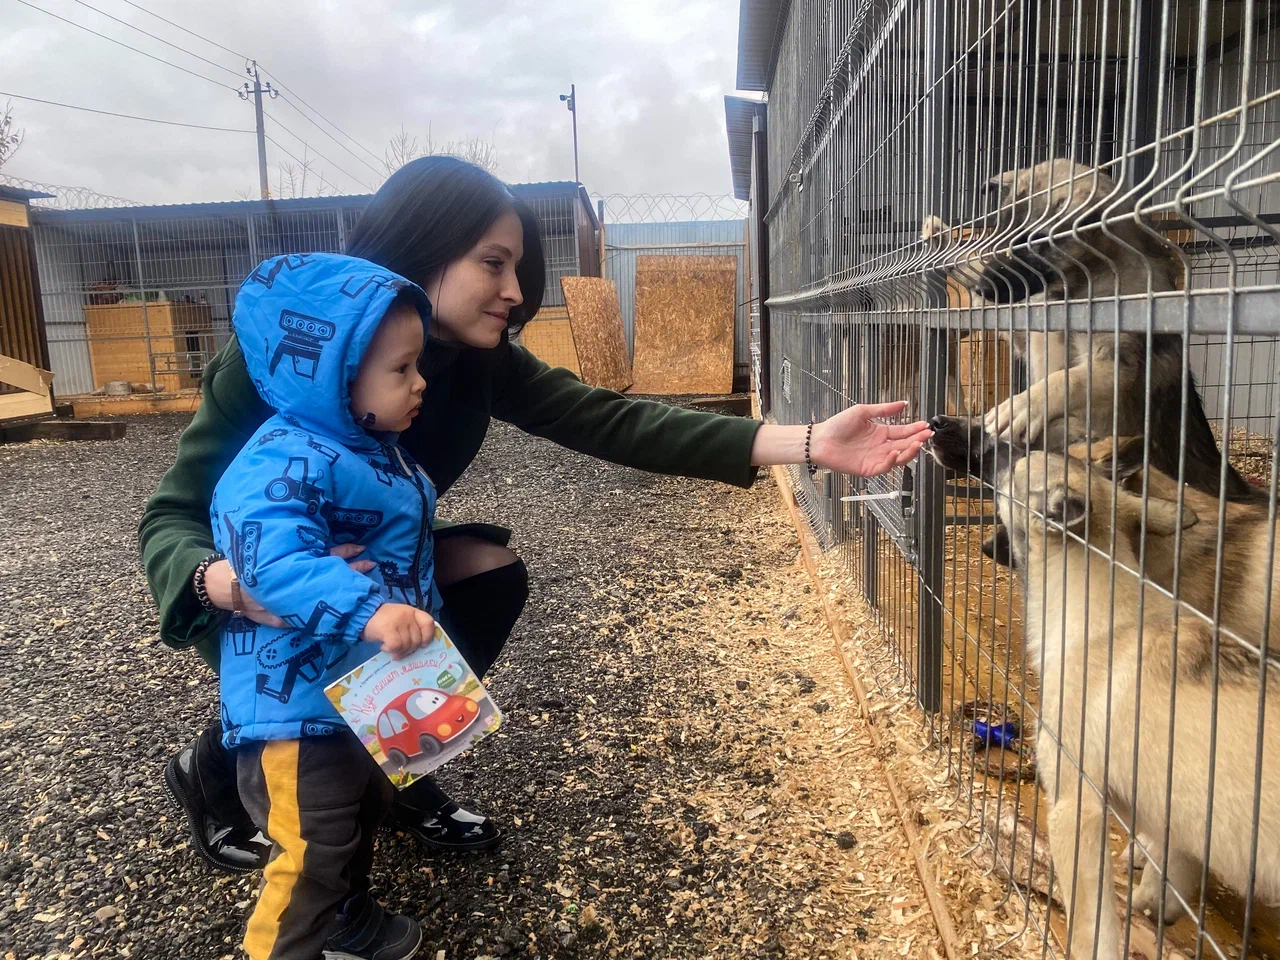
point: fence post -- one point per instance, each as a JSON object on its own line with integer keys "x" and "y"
{"x": 870, "y": 357}
{"x": 254, "y": 259}
{"x": 930, "y": 505}
{"x": 142, "y": 289}
{"x": 760, "y": 264}
{"x": 930, "y": 489}
{"x": 1146, "y": 124}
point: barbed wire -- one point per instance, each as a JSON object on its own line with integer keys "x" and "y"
{"x": 65, "y": 197}
{"x": 618, "y": 207}
{"x": 669, "y": 207}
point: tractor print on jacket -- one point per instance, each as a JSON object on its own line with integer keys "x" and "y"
{"x": 310, "y": 479}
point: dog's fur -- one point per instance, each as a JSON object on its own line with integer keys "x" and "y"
{"x": 1097, "y": 638}
{"x": 1247, "y": 566}
{"x": 1068, "y": 374}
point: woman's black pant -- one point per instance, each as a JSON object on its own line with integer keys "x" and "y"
{"x": 478, "y": 614}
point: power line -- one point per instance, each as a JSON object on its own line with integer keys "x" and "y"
{"x": 303, "y": 163}
{"x": 279, "y": 83}
{"x": 179, "y": 26}
{"x": 317, "y": 152}
{"x": 125, "y": 116}
{"x": 276, "y": 143}
{"x": 121, "y": 43}
{"x": 330, "y": 135}
{"x": 320, "y": 115}
{"x": 126, "y": 23}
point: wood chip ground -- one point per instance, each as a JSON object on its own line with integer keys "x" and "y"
{"x": 685, "y": 771}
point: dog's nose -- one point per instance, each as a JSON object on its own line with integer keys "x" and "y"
{"x": 938, "y": 423}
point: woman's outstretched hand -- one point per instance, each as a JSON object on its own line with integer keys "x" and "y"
{"x": 852, "y": 442}
{"x": 217, "y": 583}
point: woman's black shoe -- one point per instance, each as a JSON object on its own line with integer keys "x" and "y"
{"x": 448, "y": 829}
{"x": 197, "y": 781}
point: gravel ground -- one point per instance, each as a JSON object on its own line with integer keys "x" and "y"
{"x": 682, "y": 772}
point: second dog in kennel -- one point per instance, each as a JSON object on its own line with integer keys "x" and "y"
{"x": 1103, "y": 645}
{"x": 1043, "y": 240}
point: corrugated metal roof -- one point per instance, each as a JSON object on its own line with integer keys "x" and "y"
{"x": 228, "y": 208}
{"x": 760, "y": 25}
{"x": 22, "y": 196}
{"x": 739, "y": 113}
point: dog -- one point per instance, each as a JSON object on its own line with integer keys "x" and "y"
{"x": 1098, "y": 639}
{"x": 1044, "y": 241}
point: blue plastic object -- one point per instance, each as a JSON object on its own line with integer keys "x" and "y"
{"x": 990, "y": 734}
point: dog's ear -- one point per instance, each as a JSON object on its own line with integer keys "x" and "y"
{"x": 1123, "y": 458}
{"x": 996, "y": 188}
{"x": 1066, "y": 508}
{"x": 1163, "y": 519}
{"x": 998, "y": 548}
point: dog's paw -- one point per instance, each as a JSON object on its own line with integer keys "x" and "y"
{"x": 1019, "y": 419}
{"x": 1146, "y": 898}
{"x": 1001, "y": 418}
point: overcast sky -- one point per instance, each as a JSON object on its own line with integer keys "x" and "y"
{"x": 651, "y": 77}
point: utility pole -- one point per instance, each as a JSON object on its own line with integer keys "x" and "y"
{"x": 571, "y": 101}
{"x": 257, "y": 90}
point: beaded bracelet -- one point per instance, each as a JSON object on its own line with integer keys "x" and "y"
{"x": 808, "y": 442}
{"x": 197, "y": 580}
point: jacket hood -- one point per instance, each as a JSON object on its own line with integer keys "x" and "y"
{"x": 304, "y": 322}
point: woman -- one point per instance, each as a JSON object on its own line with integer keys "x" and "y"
{"x": 456, "y": 231}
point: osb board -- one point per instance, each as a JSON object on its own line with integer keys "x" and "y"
{"x": 983, "y": 368}
{"x": 684, "y": 325}
{"x": 15, "y": 406}
{"x": 119, "y": 406}
{"x": 13, "y": 214}
{"x": 595, "y": 317}
{"x": 551, "y": 341}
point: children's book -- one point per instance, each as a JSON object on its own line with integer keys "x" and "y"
{"x": 416, "y": 713}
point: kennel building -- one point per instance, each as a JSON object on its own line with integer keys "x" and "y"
{"x": 866, "y": 119}
{"x": 143, "y": 294}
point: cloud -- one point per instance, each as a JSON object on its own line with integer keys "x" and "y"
{"x": 650, "y": 77}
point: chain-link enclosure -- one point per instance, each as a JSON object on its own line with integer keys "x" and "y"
{"x": 1051, "y": 224}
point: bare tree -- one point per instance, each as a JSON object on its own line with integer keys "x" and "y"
{"x": 294, "y": 180}
{"x": 483, "y": 153}
{"x": 11, "y": 137}
{"x": 402, "y": 148}
{"x": 302, "y": 180}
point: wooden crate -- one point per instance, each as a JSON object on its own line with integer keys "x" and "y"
{"x": 123, "y": 341}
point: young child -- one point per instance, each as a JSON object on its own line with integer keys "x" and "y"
{"x": 332, "y": 344}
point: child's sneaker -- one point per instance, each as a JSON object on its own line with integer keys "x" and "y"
{"x": 365, "y": 931}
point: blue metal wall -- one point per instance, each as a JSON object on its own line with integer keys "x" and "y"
{"x": 625, "y": 241}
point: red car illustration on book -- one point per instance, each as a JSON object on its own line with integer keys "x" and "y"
{"x": 420, "y": 722}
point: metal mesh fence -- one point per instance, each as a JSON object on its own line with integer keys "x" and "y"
{"x": 144, "y": 295}
{"x": 1052, "y": 224}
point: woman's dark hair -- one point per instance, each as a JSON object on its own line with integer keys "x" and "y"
{"x": 432, "y": 211}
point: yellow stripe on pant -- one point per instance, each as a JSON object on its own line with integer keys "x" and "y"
{"x": 280, "y": 770}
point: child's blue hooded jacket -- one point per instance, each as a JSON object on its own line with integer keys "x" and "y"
{"x": 307, "y": 480}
